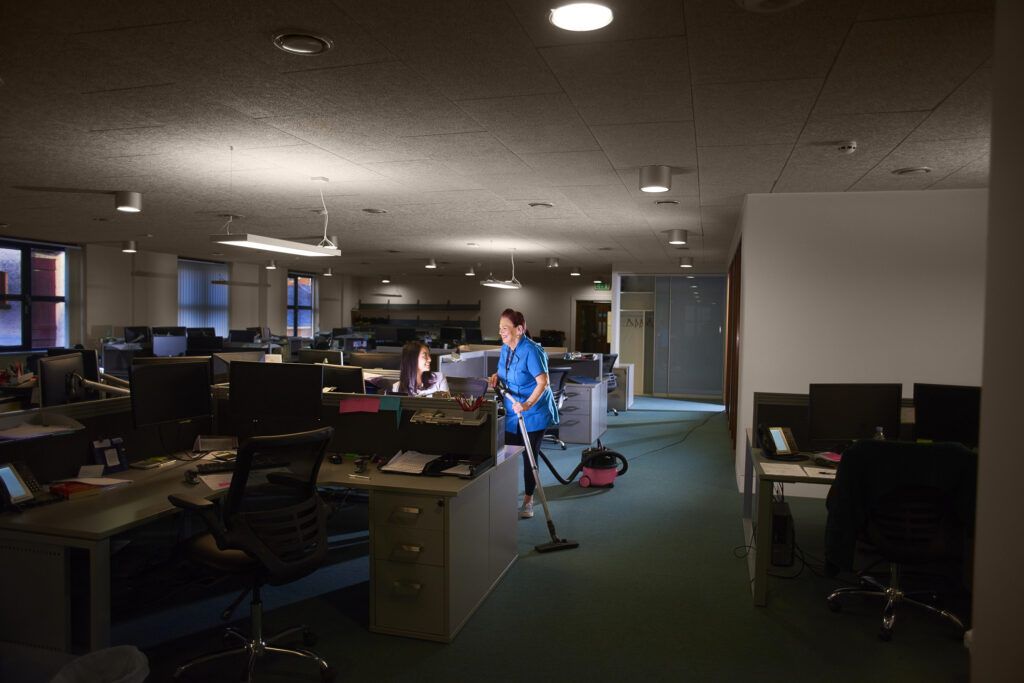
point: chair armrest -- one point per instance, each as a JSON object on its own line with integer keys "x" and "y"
{"x": 189, "y": 502}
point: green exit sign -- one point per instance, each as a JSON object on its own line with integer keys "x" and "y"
{"x": 602, "y": 286}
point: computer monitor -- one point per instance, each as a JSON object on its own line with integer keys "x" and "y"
{"x": 55, "y": 379}
{"x": 944, "y": 412}
{"x": 385, "y": 333}
{"x": 137, "y": 335}
{"x": 375, "y": 359}
{"x": 242, "y": 335}
{"x": 90, "y": 363}
{"x": 221, "y": 362}
{"x": 473, "y": 335}
{"x": 450, "y": 334}
{"x": 205, "y": 344}
{"x": 340, "y": 331}
{"x": 169, "y": 331}
{"x": 200, "y": 332}
{"x": 170, "y": 392}
{"x": 839, "y": 413}
{"x": 331, "y": 356}
{"x": 608, "y": 362}
{"x": 166, "y": 360}
{"x": 275, "y": 398}
{"x": 404, "y": 334}
{"x": 169, "y": 345}
{"x": 344, "y": 378}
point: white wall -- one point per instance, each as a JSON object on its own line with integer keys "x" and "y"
{"x": 108, "y": 293}
{"x": 243, "y": 295}
{"x": 998, "y": 600}
{"x": 860, "y": 287}
{"x": 547, "y": 302}
{"x": 154, "y": 289}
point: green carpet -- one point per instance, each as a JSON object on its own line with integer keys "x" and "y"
{"x": 656, "y": 591}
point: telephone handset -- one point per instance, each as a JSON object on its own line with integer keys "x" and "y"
{"x": 778, "y": 443}
{"x": 18, "y": 486}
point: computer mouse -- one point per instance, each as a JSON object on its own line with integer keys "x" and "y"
{"x": 335, "y": 458}
{"x": 191, "y": 477}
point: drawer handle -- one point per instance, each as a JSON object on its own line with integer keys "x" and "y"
{"x": 571, "y": 394}
{"x": 406, "y": 553}
{"x": 406, "y": 515}
{"x": 406, "y": 589}
{"x": 569, "y": 409}
{"x": 568, "y": 423}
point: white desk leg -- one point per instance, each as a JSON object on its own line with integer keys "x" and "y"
{"x": 762, "y": 540}
{"x": 99, "y": 595}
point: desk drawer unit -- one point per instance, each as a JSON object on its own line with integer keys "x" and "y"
{"x": 409, "y": 598}
{"x": 409, "y": 545}
{"x": 408, "y": 511}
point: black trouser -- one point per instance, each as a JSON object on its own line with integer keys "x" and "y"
{"x": 516, "y": 439}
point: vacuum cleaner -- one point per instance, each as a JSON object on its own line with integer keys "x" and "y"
{"x": 556, "y": 542}
{"x": 599, "y": 465}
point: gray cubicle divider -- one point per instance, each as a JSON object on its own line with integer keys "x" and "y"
{"x": 468, "y": 364}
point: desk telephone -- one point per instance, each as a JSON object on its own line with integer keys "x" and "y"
{"x": 778, "y": 443}
{"x": 19, "y": 487}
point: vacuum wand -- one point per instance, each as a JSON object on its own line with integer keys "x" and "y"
{"x": 556, "y": 543}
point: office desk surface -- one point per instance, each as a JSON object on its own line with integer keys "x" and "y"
{"x": 145, "y": 499}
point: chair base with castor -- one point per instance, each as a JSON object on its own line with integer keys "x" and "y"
{"x": 552, "y": 438}
{"x": 894, "y": 597}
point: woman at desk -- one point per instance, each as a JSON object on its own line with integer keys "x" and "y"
{"x": 523, "y": 367}
{"x": 414, "y": 375}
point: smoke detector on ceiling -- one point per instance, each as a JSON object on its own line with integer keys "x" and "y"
{"x": 847, "y": 147}
{"x": 302, "y": 43}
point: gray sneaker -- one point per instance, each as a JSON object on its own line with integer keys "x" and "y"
{"x": 526, "y": 512}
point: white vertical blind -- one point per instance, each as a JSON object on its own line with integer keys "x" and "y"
{"x": 201, "y": 303}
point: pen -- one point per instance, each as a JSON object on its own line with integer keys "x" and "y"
{"x": 358, "y": 476}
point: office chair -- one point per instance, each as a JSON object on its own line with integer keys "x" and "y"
{"x": 272, "y": 534}
{"x": 607, "y": 363}
{"x": 556, "y": 380}
{"x": 913, "y": 504}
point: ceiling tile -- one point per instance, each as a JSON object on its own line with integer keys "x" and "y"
{"x": 943, "y": 157}
{"x": 533, "y": 123}
{"x": 632, "y": 145}
{"x": 764, "y": 113}
{"x": 728, "y": 173}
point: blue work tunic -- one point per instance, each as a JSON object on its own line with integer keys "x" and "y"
{"x": 519, "y": 370}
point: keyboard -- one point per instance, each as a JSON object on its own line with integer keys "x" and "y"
{"x": 229, "y": 465}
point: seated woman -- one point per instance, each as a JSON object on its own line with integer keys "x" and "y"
{"x": 415, "y": 377}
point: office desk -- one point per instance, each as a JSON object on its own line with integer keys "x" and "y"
{"x": 438, "y": 546}
{"x": 757, "y": 514}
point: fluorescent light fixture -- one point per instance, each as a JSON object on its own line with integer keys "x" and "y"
{"x": 677, "y": 236}
{"x": 686, "y": 262}
{"x": 470, "y": 272}
{"x": 581, "y": 16}
{"x": 431, "y": 264}
{"x": 385, "y": 280}
{"x": 655, "y": 178}
{"x": 129, "y": 202}
{"x": 271, "y": 265}
{"x": 576, "y": 272}
{"x": 129, "y": 247}
{"x": 250, "y": 241}
{"x": 552, "y": 263}
{"x": 328, "y": 273}
{"x": 491, "y": 281}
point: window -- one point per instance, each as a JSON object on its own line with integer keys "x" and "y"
{"x": 200, "y": 302}
{"x": 33, "y": 309}
{"x": 300, "y": 305}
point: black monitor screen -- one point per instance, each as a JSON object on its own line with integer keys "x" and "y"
{"x": 136, "y": 335}
{"x": 945, "y": 412}
{"x": 339, "y": 331}
{"x": 404, "y": 334}
{"x": 843, "y": 412}
{"x": 90, "y": 364}
{"x": 243, "y": 335}
{"x": 222, "y": 362}
{"x": 169, "y": 331}
{"x": 384, "y": 333}
{"x": 55, "y": 378}
{"x": 200, "y": 332}
{"x": 473, "y": 335}
{"x": 375, "y": 359}
{"x": 450, "y": 333}
{"x": 275, "y": 398}
{"x": 169, "y": 345}
{"x": 344, "y": 378}
{"x": 170, "y": 392}
{"x": 330, "y": 356}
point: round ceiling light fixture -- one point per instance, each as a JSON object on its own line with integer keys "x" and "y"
{"x": 540, "y": 205}
{"x": 385, "y": 280}
{"x": 302, "y": 43}
{"x": 129, "y": 247}
{"x": 128, "y": 202}
{"x": 581, "y": 16}
{"x": 375, "y": 210}
{"x": 655, "y": 178}
{"x": 912, "y": 170}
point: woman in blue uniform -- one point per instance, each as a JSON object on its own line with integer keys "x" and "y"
{"x": 523, "y": 367}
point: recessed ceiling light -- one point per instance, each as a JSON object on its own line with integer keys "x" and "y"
{"x": 576, "y": 272}
{"x": 394, "y": 251}
{"x": 597, "y": 282}
{"x": 302, "y": 43}
{"x": 472, "y": 244}
{"x": 912, "y": 170}
{"x": 666, "y": 201}
{"x": 385, "y": 280}
{"x": 604, "y": 248}
{"x": 581, "y": 16}
{"x": 540, "y": 205}
{"x": 101, "y": 220}
{"x": 375, "y": 210}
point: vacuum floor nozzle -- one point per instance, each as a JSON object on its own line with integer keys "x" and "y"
{"x": 560, "y": 544}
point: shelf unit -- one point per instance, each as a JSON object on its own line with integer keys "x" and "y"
{"x": 410, "y": 315}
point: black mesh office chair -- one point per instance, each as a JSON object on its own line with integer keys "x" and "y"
{"x": 607, "y": 363}
{"x": 272, "y": 533}
{"x": 913, "y": 504}
{"x": 556, "y": 380}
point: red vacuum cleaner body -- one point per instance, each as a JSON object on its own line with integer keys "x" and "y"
{"x": 600, "y": 467}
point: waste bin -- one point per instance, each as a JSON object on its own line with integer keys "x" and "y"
{"x": 121, "y": 664}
